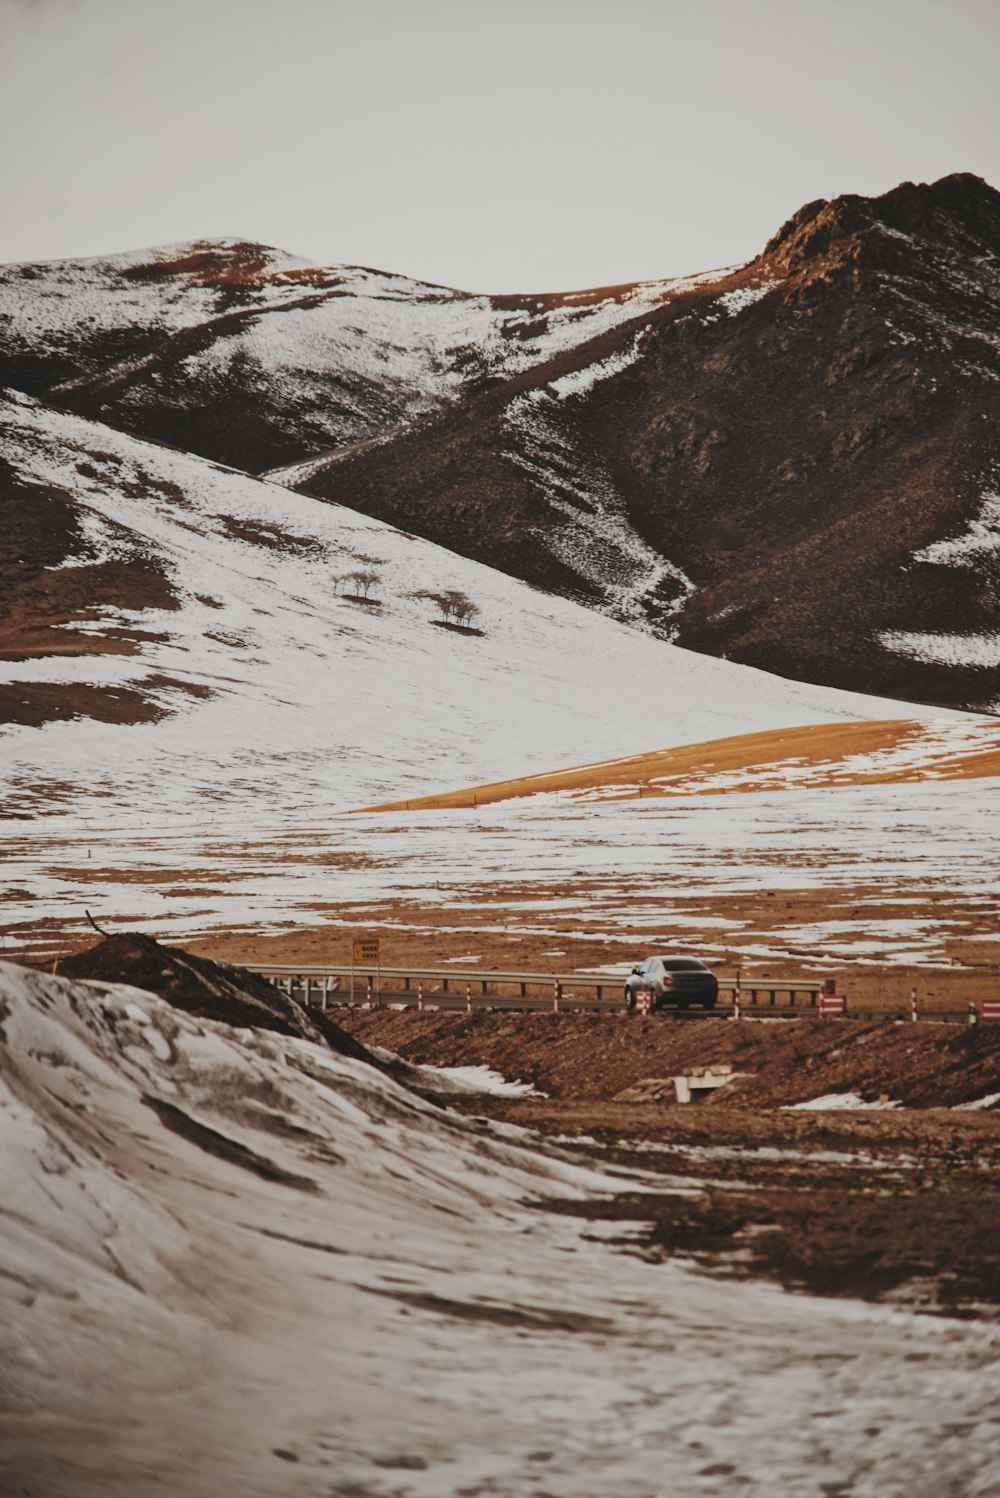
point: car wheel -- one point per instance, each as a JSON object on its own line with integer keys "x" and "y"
{"x": 630, "y": 1000}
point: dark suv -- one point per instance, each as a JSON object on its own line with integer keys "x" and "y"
{"x": 677, "y": 981}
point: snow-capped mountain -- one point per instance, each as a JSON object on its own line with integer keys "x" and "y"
{"x": 793, "y": 464}
{"x": 258, "y": 359}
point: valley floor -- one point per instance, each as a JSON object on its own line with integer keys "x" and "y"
{"x": 878, "y": 885}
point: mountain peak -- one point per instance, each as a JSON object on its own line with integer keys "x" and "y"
{"x": 959, "y": 209}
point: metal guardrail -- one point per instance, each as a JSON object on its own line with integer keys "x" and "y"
{"x": 467, "y": 989}
{"x": 454, "y": 988}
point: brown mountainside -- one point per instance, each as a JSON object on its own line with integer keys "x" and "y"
{"x": 792, "y": 456}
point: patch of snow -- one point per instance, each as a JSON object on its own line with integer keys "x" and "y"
{"x": 928, "y": 845}
{"x": 944, "y": 649}
{"x": 831, "y": 1100}
{"x": 981, "y": 540}
{"x": 596, "y": 539}
{"x": 582, "y": 381}
{"x": 734, "y": 302}
{"x": 345, "y": 354}
{"x": 471, "y": 1079}
{"x": 978, "y": 549}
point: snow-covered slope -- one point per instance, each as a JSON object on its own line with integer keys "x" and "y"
{"x": 233, "y": 1262}
{"x": 284, "y": 697}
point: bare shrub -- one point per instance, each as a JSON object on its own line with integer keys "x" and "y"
{"x": 360, "y": 581}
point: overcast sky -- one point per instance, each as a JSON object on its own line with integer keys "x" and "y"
{"x": 498, "y": 145}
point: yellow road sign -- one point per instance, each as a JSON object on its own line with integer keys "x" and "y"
{"x": 366, "y": 951}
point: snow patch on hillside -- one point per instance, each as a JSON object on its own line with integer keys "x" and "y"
{"x": 977, "y": 548}
{"x": 734, "y": 302}
{"x": 597, "y": 540}
{"x": 341, "y": 354}
{"x": 944, "y": 649}
{"x": 979, "y": 543}
{"x": 582, "y": 381}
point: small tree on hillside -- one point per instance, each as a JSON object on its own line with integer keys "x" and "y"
{"x": 465, "y": 611}
{"x": 456, "y": 608}
{"x": 362, "y": 580}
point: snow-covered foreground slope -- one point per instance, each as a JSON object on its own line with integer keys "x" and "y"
{"x": 237, "y": 1263}
{"x": 306, "y": 701}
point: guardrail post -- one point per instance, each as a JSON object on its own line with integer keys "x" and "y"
{"x": 370, "y": 1004}
{"x": 468, "y": 997}
{"x": 420, "y": 996}
{"x": 913, "y": 1004}
{"x": 737, "y": 995}
{"x": 556, "y": 995}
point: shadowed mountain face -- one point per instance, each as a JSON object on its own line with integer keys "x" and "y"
{"x": 793, "y": 464}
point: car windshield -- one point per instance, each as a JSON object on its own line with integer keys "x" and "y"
{"x": 683, "y": 965}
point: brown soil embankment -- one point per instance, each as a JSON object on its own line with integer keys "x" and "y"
{"x": 896, "y": 1205}
{"x": 595, "y": 1057}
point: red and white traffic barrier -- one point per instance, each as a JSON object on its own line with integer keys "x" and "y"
{"x": 989, "y": 1009}
{"x": 556, "y": 995}
{"x": 832, "y": 1003}
{"x": 644, "y": 1001}
{"x": 737, "y": 996}
{"x": 371, "y": 1004}
{"x": 468, "y": 997}
{"x": 913, "y": 1003}
{"x": 420, "y": 995}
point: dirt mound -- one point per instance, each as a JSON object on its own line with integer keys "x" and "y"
{"x": 595, "y": 1057}
{"x": 207, "y": 989}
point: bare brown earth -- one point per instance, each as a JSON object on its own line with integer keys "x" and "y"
{"x": 763, "y": 761}
{"x": 900, "y": 1205}
{"x": 591, "y": 1059}
{"x": 50, "y": 606}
